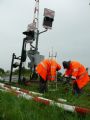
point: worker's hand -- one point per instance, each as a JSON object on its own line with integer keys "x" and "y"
{"x": 57, "y": 69}
{"x": 73, "y": 78}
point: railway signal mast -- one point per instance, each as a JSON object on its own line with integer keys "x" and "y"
{"x": 32, "y": 36}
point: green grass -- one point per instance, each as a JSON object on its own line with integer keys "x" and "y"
{"x": 65, "y": 92}
{"x": 14, "y": 108}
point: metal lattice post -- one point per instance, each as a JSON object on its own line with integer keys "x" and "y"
{"x": 36, "y": 21}
{"x": 54, "y": 56}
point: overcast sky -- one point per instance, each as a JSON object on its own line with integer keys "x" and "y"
{"x": 69, "y": 37}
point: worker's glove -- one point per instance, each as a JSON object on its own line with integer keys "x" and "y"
{"x": 57, "y": 69}
{"x": 66, "y": 80}
{"x": 73, "y": 78}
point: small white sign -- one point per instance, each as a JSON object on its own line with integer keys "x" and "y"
{"x": 31, "y": 26}
{"x": 49, "y": 13}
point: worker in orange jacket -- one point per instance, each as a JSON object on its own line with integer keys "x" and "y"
{"x": 77, "y": 72}
{"x": 46, "y": 69}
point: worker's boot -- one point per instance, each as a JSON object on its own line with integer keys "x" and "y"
{"x": 41, "y": 89}
{"x": 46, "y": 86}
{"x": 76, "y": 89}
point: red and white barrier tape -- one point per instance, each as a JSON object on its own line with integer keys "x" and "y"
{"x": 20, "y": 89}
{"x": 26, "y": 94}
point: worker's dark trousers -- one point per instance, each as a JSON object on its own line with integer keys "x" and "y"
{"x": 76, "y": 89}
{"x": 43, "y": 85}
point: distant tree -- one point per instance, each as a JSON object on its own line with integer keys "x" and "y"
{"x": 2, "y": 71}
{"x": 24, "y": 71}
{"x": 7, "y": 72}
{"x": 16, "y": 71}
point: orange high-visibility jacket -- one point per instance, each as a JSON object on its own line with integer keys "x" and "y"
{"x": 47, "y": 69}
{"x": 77, "y": 71}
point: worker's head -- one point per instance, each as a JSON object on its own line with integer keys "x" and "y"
{"x": 66, "y": 64}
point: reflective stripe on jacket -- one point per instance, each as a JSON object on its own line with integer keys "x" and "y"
{"x": 54, "y": 66}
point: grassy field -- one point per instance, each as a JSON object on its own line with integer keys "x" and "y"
{"x": 63, "y": 91}
{"x": 13, "y": 108}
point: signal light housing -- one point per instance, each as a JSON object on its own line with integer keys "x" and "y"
{"x": 30, "y": 34}
{"x": 48, "y": 18}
